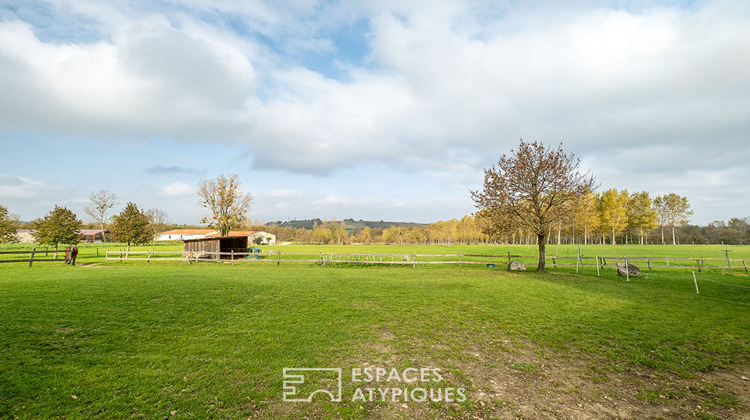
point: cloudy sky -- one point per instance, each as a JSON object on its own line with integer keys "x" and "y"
{"x": 373, "y": 109}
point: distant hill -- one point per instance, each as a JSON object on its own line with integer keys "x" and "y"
{"x": 349, "y": 224}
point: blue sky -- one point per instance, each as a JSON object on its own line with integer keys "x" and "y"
{"x": 382, "y": 110}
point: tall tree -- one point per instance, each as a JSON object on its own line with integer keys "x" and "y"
{"x": 132, "y": 226}
{"x": 660, "y": 207}
{"x": 416, "y": 235}
{"x": 586, "y": 216}
{"x": 530, "y": 187}
{"x": 673, "y": 211}
{"x": 227, "y": 203}
{"x": 59, "y": 226}
{"x": 100, "y": 202}
{"x": 613, "y": 213}
{"x": 641, "y": 214}
{"x": 366, "y": 235}
{"x": 742, "y": 225}
{"x": 8, "y": 226}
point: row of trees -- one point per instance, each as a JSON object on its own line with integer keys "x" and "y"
{"x": 620, "y": 217}
{"x": 62, "y": 226}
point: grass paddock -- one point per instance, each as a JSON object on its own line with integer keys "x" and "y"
{"x": 171, "y": 339}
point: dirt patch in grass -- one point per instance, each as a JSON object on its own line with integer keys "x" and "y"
{"x": 529, "y": 383}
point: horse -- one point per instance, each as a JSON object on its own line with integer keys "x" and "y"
{"x": 71, "y": 253}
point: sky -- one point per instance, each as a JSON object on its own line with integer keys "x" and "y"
{"x": 373, "y": 109}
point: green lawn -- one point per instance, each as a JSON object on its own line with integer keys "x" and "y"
{"x": 182, "y": 340}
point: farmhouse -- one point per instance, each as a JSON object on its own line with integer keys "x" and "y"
{"x": 93, "y": 235}
{"x": 25, "y": 236}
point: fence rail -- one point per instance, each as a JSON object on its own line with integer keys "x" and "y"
{"x": 414, "y": 259}
{"x": 32, "y": 256}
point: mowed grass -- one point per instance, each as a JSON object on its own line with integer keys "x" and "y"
{"x": 211, "y": 340}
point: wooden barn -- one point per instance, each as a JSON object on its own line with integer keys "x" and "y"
{"x": 208, "y": 248}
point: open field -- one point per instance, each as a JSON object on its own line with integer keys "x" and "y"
{"x": 172, "y": 339}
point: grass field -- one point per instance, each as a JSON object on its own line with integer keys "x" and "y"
{"x": 172, "y": 339}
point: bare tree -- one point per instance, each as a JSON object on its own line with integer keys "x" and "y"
{"x": 530, "y": 188}
{"x": 100, "y": 203}
{"x": 159, "y": 220}
{"x": 227, "y": 203}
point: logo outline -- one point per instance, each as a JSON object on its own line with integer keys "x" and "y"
{"x": 290, "y": 379}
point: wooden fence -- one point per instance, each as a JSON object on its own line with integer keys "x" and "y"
{"x": 148, "y": 256}
{"x": 33, "y": 253}
{"x": 323, "y": 258}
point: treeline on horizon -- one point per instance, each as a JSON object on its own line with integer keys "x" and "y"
{"x": 610, "y": 217}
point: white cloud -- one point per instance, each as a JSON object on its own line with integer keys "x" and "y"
{"x": 177, "y": 189}
{"x": 30, "y": 197}
{"x": 445, "y": 79}
{"x": 15, "y": 187}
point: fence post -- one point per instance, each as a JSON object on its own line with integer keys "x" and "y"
{"x": 597, "y": 265}
{"x": 278, "y": 257}
{"x": 415, "y": 260}
{"x": 726, "y": 262}
{"x": 231, "y": 256}
{"x": 148, "y": 257}
{"x": 461, "y": 263}
{"x": 627, "y": 270}
{"x": 31, "y": 260}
